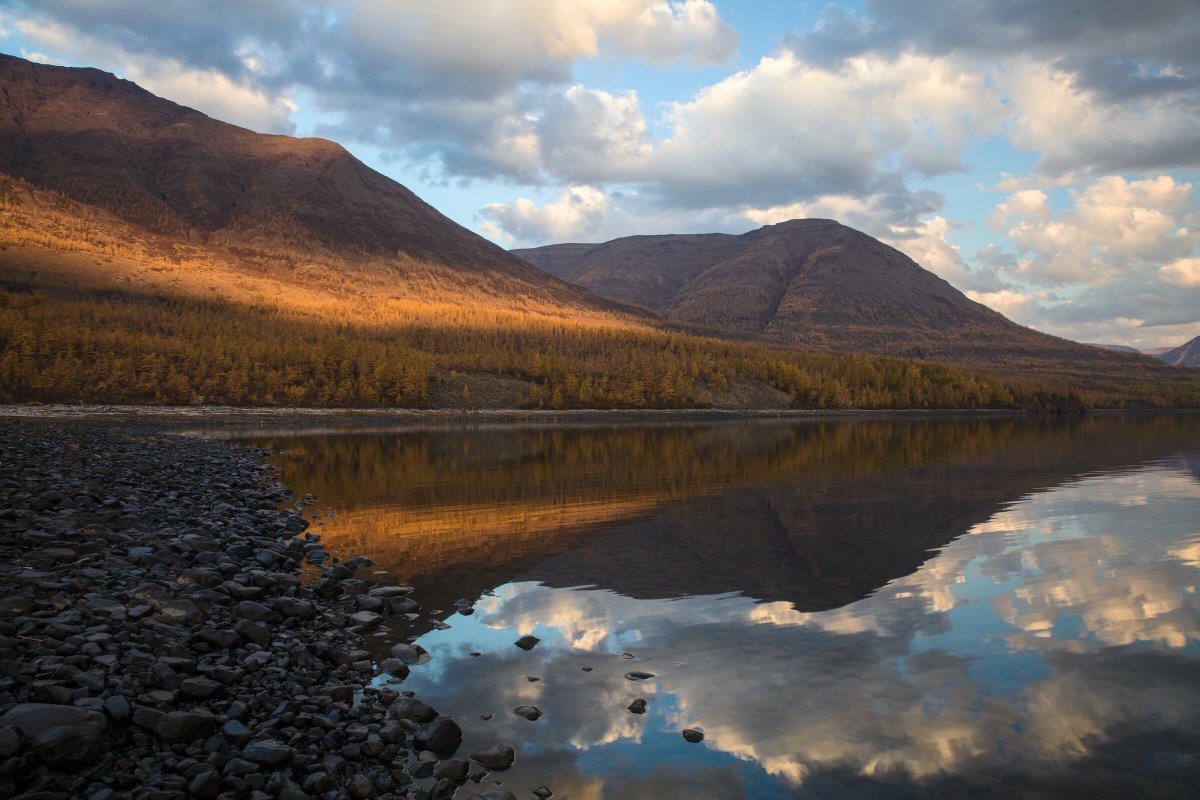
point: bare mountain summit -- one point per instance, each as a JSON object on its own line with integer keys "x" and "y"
{"x": 816, "y": 284}
{"x": 1186, "y": 355}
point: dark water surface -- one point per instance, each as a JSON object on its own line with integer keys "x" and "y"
{"x": 984, "y": 607}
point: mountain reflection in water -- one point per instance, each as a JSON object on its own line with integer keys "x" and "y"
{"x": 892, "y": 608}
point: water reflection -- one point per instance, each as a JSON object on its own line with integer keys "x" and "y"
{"x": 893, "y": 609}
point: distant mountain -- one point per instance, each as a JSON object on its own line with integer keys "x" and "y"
{"x": 1120, "y": 348}
{"x": 820, "y": 285}
{"x": 1186, "y": 355}
{"x": 174, "y": 179}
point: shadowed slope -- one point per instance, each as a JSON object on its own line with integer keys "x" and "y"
{"x": 819, "y": 285}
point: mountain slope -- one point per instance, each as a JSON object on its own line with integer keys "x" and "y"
{"x": 1186, "y": 355}
{"x": 819, "y": 285}
{"x": 181, "y": 180}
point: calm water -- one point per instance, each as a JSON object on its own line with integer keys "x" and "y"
{"x": 845, "y": 609}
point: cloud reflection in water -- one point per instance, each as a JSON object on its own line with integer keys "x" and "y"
{"x": 1054, "y": 645}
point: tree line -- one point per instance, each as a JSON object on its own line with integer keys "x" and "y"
{"x": 122, "y": 347}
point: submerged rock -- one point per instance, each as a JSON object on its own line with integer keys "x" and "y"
{"x": 499, "y": 756}
{"x": 530, "y": 713}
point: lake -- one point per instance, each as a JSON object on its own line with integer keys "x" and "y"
{"x": 973, "y": 607}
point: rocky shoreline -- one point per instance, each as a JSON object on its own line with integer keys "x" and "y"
{"x": 156, "y": 640}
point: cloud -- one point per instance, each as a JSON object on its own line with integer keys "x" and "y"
{"x": 1116, "y": 228}
{"x": 1153, "y": 133}
{"x": 580, "y": 213}
{"x": 958, "y": 672}
{"x": 1102, "y": 41}
{"x": 1183, "y": 272}
{"x": 1118, "y": 265}
{"x": 230, "y": 99}
{"x": 590, "y": 135}
{"x": 788, "y": 129}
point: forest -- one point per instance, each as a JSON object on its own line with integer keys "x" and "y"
{"x": 128, "y": 347}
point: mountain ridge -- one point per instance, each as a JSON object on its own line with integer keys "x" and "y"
{"x": 172, "y": 172}
{"x": 820, "y": 285}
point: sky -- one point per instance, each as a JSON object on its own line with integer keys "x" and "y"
{"x": 1042, "y": 157}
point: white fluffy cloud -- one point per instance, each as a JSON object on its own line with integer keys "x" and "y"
{"x": 788, "y": 130}
{"x": 1076, "y": 131}
{"x": 1116, "y": 228}
{"x": 1118, "y": 265}
{"x": 227, "y": 98}
{"x": 578, "y": 215}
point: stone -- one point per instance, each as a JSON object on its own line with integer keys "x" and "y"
{"x": 179, "y": 612}
{"x": 118, "y": 709}
{"x": 442, "y": 735}
{"x": 34, "y": 719}
{"x": 268, "y": 753}
{"x": 408, "y": 653}
{"x": 390, "y": 591}
{"x": 395, "y": 667}
{"x": 638, "y": 706}
{"x": 291, "y": 608}
{"x": 63, "y": 746}
{"x": 365, "y": 619}
{"x": 499, "y": 756}
{"x": 412, "y": 708}
{"x": 361, "y": 787}
{"x": 206, "y": 784}
{"x": 638, "y": 676}
{"x": 403, "y": 605}
{"x": 455, "y": 769}
{"x": 253, "y": 632}
{"x": 200, "y": 688}
{"x": 496, "y": 794}
{"x": 254, "y": 612}
{"x": 10, "y": 742}
{"x": 692, "y": 735}
{"x": 527, "y": 642}
{"x": 542, "y": 793}
{"x": 181, "y": 727}
{"x": 238, "y": 733}
{"x": 216, "y": 639}
{"x": 530, "y": 713}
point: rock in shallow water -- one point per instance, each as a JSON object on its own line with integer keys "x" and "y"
{"x": 499, "y": 756}
{"x": 442, "y": 736}
{"x": 530, "y": 713}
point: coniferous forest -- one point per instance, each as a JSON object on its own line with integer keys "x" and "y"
{"x": 121, "y": 347}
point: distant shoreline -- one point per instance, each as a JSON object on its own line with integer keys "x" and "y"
{"x": 377, "y": 416}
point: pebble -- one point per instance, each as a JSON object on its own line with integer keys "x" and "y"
{"x": 692, "y": 735}
{"x": 159, "y": 643}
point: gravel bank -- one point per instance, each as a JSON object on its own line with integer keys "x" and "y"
{"x": 156, "y": 640}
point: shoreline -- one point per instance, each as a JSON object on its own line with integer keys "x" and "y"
{"x": 156, "y": 640}
{"x": 169, "y": 417}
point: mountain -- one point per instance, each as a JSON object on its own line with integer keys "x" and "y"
{"x": 1120, "y": 348}
{"x": 168, "y": 184}
{"x": 820, "y": 285}
{"x": 1186, "y": 355}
